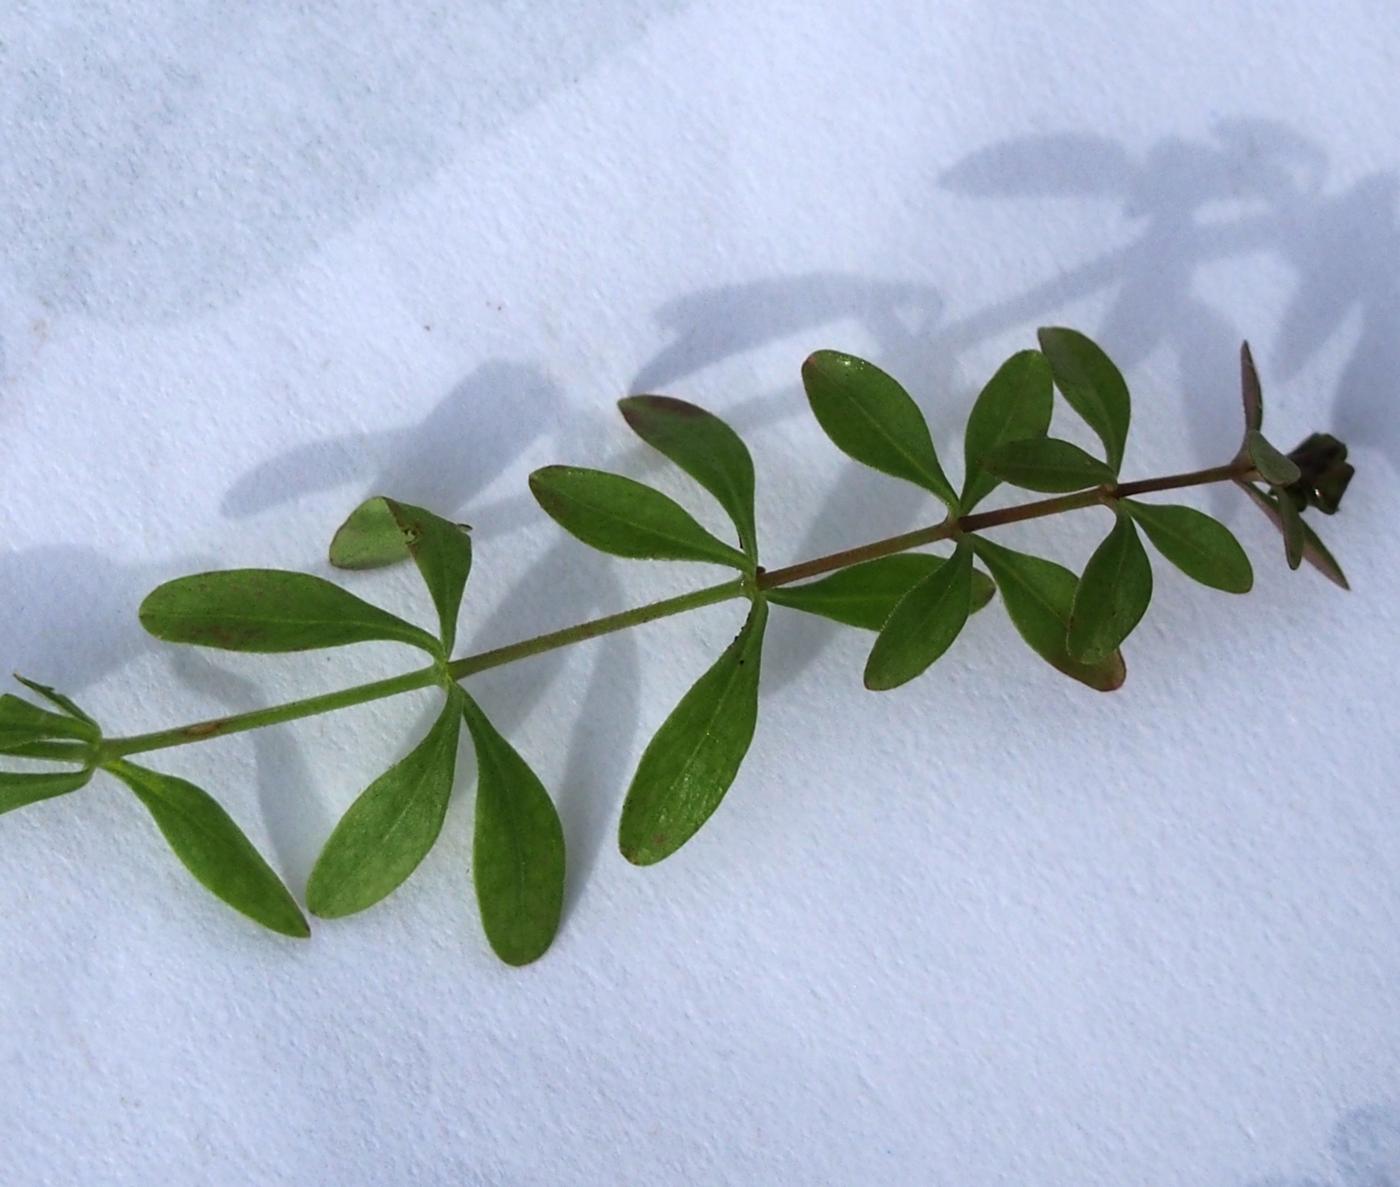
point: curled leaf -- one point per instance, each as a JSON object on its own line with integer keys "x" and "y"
{"x": 370, "y": 537}
{"x": 269, "y": 610}
{"x": 625, "y": 518}
{"x": 381, "y": 531}
{"x": 693, "y": 758}
{"x": 870, "y": 417}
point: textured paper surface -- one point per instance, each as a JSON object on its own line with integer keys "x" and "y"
{"x": 991, "y": 928}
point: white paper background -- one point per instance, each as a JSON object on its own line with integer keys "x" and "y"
{"x": 989, "y": 929}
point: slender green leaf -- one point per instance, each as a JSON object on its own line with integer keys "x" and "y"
{"x": 705, "y": 448}
{"x": 863, "y": 595}
{"x": 1201, "y": 547}
{"x": 269, "y": 610}
{"x": 1250, "y": 391}
{"x": 924, "y": 623}
{"x": 213, "y": 848}
{"x": 1038, "y": 595}
{"x": 1016, "y": 403}
{"x": 1047, "y": 464}
{"x": 21, "y": 788}
{"x": 1292, "y": 522}
{"x": 517, "y": 848}
{"x": 1315, "y": 552}
{"x": 22, "y": 722}
{"x": 50, "y": 749}
{"x": 873, "y": 419}
{"x": 443, "y": 553}
{"x": 694, "y": 756}
{"x": 57, "y": 698}
{"x": 1093, "y": 386}
{"x": 1113, "y": 594}
{"x": 370, "y": 538}
{"x": 626, "y": 518}
{"x": 1274, "y": 467}
{"x": 389, "y": 829}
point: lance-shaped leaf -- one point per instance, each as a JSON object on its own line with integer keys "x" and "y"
{"x": 517, "y": 848}
{"x": 1314, "y": 551}
{"x": 1016, "y": 403}
{"x": 625, "y": 518}
{"x": 1274, "y": 467}
{"x": 21, "y": 722}
{"x": 1250, "y": 392}
{"x": 863, "y": 595}
{"x": 389, "y": 829}
{"x": 18, "y": 789}
{"x": 705, "y": 448}
{"x": 1093, "y": 386}
{"x": 1201, "y": 547}
{"x": 873, "y": 419}
{"x": 924, "y": 623}
{"x": 54, "y": 697}
{"x": 213, "y": 848}
{"x": 1113, "y": 593}
{"x": 1047, "y": 464}
{"x": 381, "y": 531}
{"x": 694, "y": 756}
{"x": 1038, "y": 595}
{"x": 269, "y": 610}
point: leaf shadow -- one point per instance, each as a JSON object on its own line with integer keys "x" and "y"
{"x": 297, "y": 821}
{"x": 1251, "y": 186}
{"x": 1363, "y": 1150}
{"x": 608, "y": 709}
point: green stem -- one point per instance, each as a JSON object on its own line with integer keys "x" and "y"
{"x": 218, "y": 727}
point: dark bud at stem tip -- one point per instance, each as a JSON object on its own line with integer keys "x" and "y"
{"x": 1325, "y": 473}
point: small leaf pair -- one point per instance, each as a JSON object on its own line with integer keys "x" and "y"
{"x": 518, "y": 851}
{"x": 200, "y": 833}
{"x": 901, "y": 596}
{"x": 1289, "y": 489}
{"x": 30, "y": 731}
{"x": 627, "y": 518}
{"x": 693, "y": 758}
{"x": 274, "y": 610}
{"x": 1116, "y": 587}
{"x": 1024, "y": 456}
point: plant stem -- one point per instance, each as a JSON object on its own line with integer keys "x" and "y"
{"x": 117, "y": 748}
